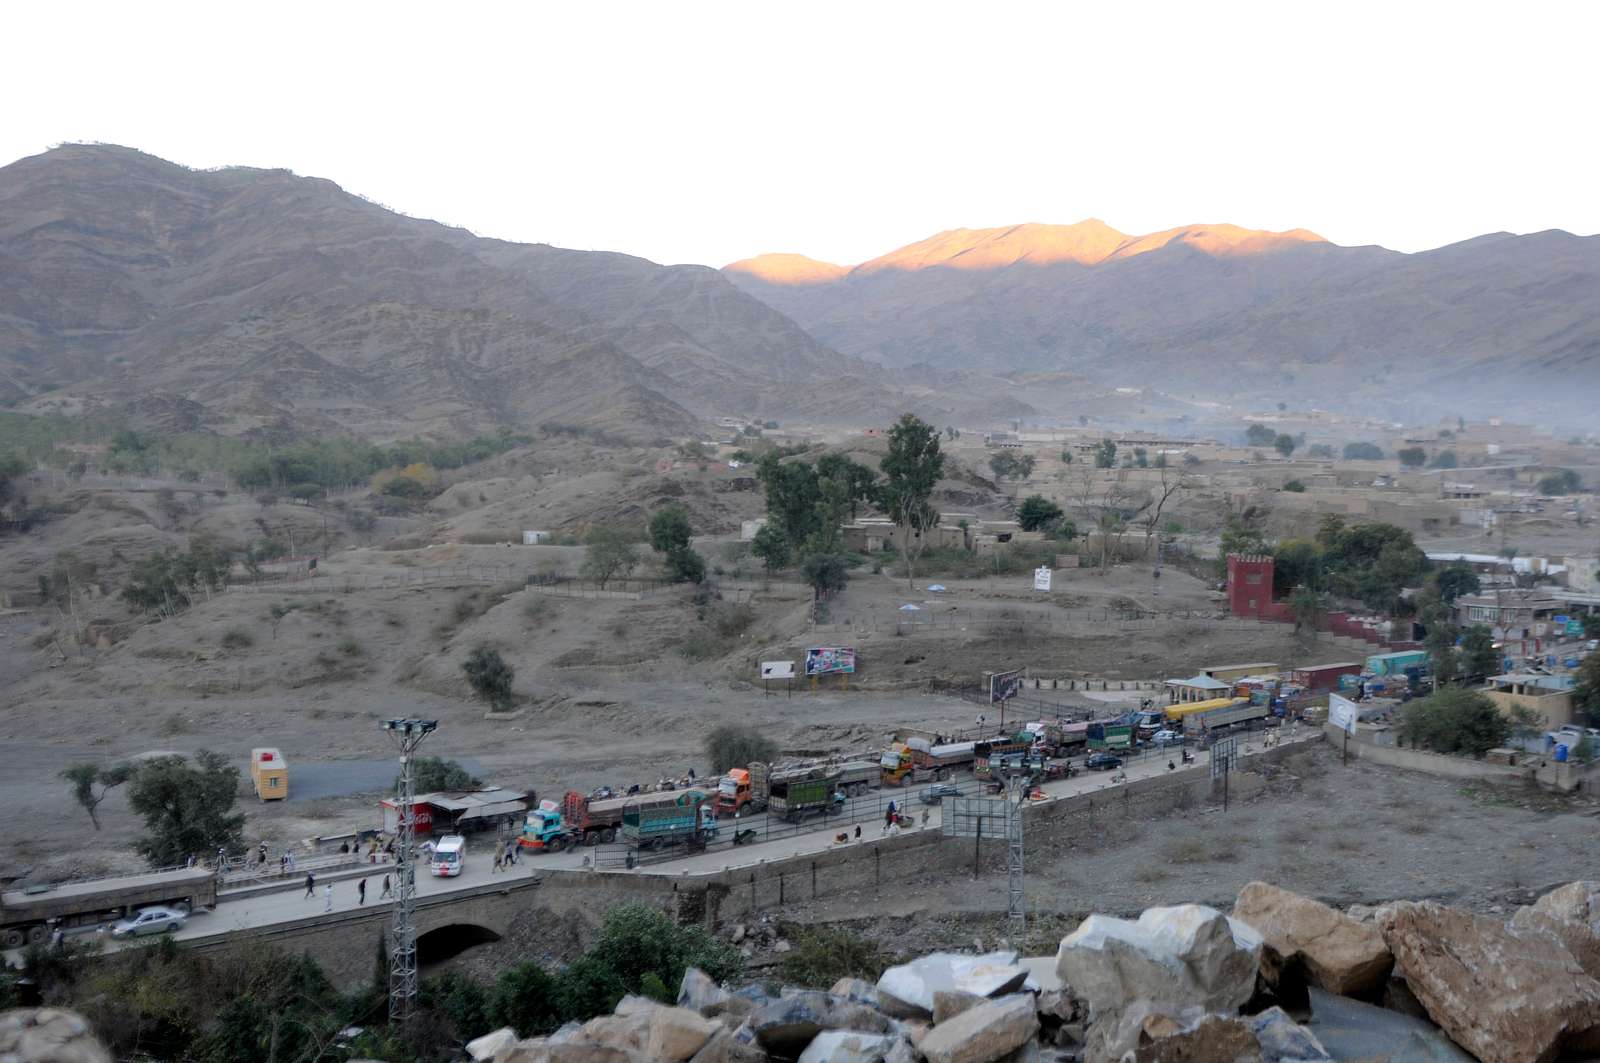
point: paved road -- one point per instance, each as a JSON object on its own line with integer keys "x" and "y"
{"x": 267, "y": 909}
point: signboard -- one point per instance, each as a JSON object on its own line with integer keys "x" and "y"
{"x": 1575, "y": 627}
{"x": 1342, "y": 713}
{"x": 1563, "y": 620}
{"x": 1041, "y": 578}
{"x": 777, "y": 669}
{"x": 1224, "y": 756}
{"x": 1003, "y": 686}
{"x": 973, "y": 817}
{"x": 820, "y": 660}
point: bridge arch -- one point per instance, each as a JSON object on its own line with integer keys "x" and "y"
{"x": 451, "y": 940}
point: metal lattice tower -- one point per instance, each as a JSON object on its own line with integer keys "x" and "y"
{"x": 408, "y": 735}
{"x": 1016, "y": 898}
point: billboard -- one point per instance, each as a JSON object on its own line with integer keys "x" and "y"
{"x": 1342, "y": 713}
{"x": 820, "y": 660}
{"x": 1003, "y": 686}
{"x": 1041, "y": 578}
{"x": 777, "y": 669}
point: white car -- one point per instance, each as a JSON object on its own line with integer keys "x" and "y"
{"x": 150, "y": 921}
{"x": 1167, "y": 738}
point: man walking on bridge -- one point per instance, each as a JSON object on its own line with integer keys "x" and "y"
{"x": 387, "y": 892}
{"x": 327, "y": 894}
{"x": 311, "y": 885}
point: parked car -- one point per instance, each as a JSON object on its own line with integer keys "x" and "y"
{"x": 1167, "y": 738}
{"x": 1102, "y": 762}
{"x": 932, "y": 795}
{"x": 156, "y": 920}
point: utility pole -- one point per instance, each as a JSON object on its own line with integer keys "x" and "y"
{"x": 1016, "y": 897}
{"x": 408, "y": 735}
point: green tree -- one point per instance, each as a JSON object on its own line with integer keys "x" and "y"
{"x": 1037, "y": 513}
{"x": 490, "y": 676}
{"x": 669, "y": 528}
{"x": 772, "y": 547}
{"x": 608, "y": 553}
{"x": 738, "y": 745}
{"x": 1442, "y": 657}
{"x": 524, "y": 998}
{"x": 1105, "y": 454}
{"x": 1259, "y": 435}
{"x": 85, "y": 777}
{"x": 793, "y": 491}
{"x": 187, "y": 807}
{"x": 1457, "y": 579}
{"x": 1586, "y": 688}
{"x": 1141, "y": 458}
{"x": 1412, "y": 457}
{"x": 833, "y": 502}
{"x": 912, "y": 469}
{"x": 1446, "y": 459}
{"x": 824, "y": 573}
{"x": 1066, "y": 457}
{"x": 1284, "y": 444}
{"x": 860, "y": 483}
{"x": 1295, "y": 487}
{"x": 1478, "y": 655}
{"x": 1362, "y": 452}
{"x": 1453, "y": 720}
{"x": 436, "y": 773}
{"x": 1564, "y": 482}
{"x": 637, "y": 940}
{"x": 1008, "y": 464}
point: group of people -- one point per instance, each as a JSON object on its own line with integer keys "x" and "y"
{"x": 327, "y": 891}
{"x": 506, "y": 855}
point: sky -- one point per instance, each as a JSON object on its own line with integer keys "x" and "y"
{"x": 707, "y": 131}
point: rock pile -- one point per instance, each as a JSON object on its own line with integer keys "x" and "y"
{"x": 48, "y": 1035}
{"x": 1282, "y": 979}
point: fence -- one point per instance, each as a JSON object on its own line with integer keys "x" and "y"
{"x": 1018, "y": 623}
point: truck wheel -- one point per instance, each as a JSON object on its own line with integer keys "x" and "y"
{"x": 181, "y": 906}
{"x": 608, "y": 835}
{"x": 36, "y": 934}
{"x": 591, "y": 837}
{"x": 555, "y": 845}
{"x": 15, "y": 938}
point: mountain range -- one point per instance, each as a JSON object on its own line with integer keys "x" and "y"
{"x": 250, "y": 300}
{"x": 1218, "y": 312}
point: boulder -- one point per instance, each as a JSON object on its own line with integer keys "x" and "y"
{"x": 1282, "y": 1040}
{"x": 543, "y": 1050}
{"x": 1351, "y": 1029}
{"x": 1504, "y": 997}
{"x": 848, "y": 1046}
{"x": 624, "y": 1032}
{"x": 1173, "y": 957}
{"x": 983, "y": 1033}
{"x": 675, "y": 1034}
{"x": 490, "y": 1044}
{"x": 698, "y": 992}
{"x": 948, "y": 1003}
{"x": 1338, "y": 953}
{"x": 786, "y": 1025}
{"x": 906, "y": 991}
{"x": 1057, "y": 1005}
{"x": 1212, "y": 1039}
{"x": 1571, "y": 913}
{"x": 857, "y": 989}
{"x": 49, "y": 1035}
{"x": 725, "y": 1046}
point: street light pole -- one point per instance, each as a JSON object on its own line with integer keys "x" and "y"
{"x": 408, "y": 735}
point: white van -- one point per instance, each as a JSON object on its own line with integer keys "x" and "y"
{"x": 448, "y": 856}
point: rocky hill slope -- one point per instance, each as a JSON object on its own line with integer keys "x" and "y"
{"x": 242, "y": 298}
{"x": 1216, "y": 311}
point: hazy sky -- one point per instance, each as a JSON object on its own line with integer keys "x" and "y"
{"x": 705, "y": 132}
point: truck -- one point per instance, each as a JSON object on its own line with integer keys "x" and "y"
{"x": 794, "y": 798}
{"x": 545, "y": 831}
{"x": 1225, "y": 716}
{"x": 26, "y": 914}
{"x": 597, "y": 820}
{"x": 1110, "y": 736}
{"x": 658, "y": 824}
{"x": 997, "y": 759}
{"x": 918, "y": 760}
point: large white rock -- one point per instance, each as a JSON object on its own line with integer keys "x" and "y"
{"x": 987, "y": 1032}
{"x": 699, "y": 992}
{"x": 848, "y": 1046}
{"x": 1175, "y": 957}
{"x": 907, "y": 991}
{"x": 490, "y": 1044}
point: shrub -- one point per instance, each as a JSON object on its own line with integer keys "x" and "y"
{"x": 491, "y": 677}
{"x": 1455, "y": 721}
{"x": 350, "y": 647}
{"x": 737, "y": 745}
{"x": 820, "y": 957}
{"x": 237, "y": 638}
{"x": 436, "y": 773}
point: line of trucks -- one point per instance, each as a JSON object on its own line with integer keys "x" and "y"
{"x": 28, "y": 915}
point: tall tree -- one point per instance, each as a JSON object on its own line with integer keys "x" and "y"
{"x": 187, "y": 808}
{"x": 912, "y": 468}
{"x": 772, "y": 547}
{"x": 670, "y": 535}
{"x": 860, "y": 483}
{"x": 85, "y": 777}
{"x": 793, "y": 491}
{"x": 1038, "y": 513}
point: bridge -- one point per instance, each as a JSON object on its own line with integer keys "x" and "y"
{"x": 482, "y": 905}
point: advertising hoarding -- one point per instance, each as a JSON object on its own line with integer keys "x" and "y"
{"x": 821, "y": 660}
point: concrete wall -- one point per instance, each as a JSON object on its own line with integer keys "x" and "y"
{"x": 1432, "y": 763}
{"x": 1553, "y": 709}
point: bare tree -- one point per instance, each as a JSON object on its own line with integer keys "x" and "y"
{"x": 1172, "y": 486}
{"x": 1110, "y": 505}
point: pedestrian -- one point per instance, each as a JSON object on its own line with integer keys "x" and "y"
{"x": 262, "y": 852}
{"x": 291, "y": 861}
{"x": 387, "y": 892}
{"x": 497, "y": 860}
{"x": 311, "y": 885}
{"x": 361, "y": 892}
{"x": 190, "y": 861}
{"x": 511, "y": 853}
{"x": 344, "y": 847}
{"x": 327, "y": 897}
{"x": 858, "y": 832}
{"x": 691, "y": 775}
{"x": 58, "y": 938}
{"x": 283, "y": 862}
